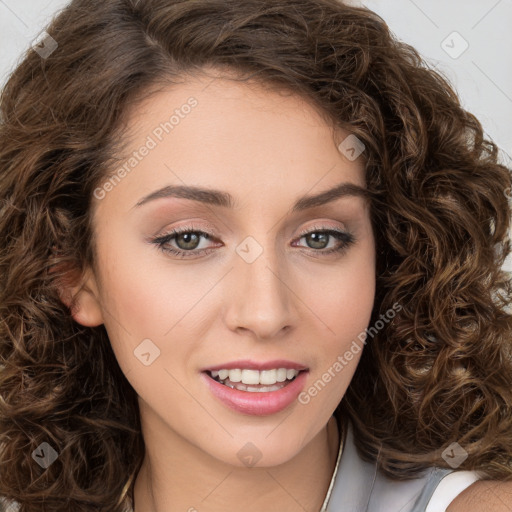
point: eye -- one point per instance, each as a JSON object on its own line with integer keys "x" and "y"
{"x": 318, "y": 238}
{"x": 188, "y": 239}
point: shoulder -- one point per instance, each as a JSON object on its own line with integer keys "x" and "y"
{"x": 484, "y": 496}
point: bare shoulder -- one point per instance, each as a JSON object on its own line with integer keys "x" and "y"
{"x": 484, "y": 496}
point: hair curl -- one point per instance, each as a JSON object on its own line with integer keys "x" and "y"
{"x": 441, "y": 371}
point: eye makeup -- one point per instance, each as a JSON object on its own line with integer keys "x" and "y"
{"x": 190, "y": 233}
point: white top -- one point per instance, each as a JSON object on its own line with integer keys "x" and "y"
{"x": 357, "y": 486}
{"x": 450, "y": 487}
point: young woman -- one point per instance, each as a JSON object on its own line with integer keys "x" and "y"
{"x": 251, "y": 260}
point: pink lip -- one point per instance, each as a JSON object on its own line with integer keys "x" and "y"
{"x": 255, "y": 365}
{"x": 257, "y": 404}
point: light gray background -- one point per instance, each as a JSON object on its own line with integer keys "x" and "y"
{"x": 482, "y": 74}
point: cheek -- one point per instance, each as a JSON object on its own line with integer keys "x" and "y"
{"x": 347, "y": 312}
{"x": 137, "y": 304}
{"x": 140, "y": 290}
{"x": 354, "y": 305}
{"x": 343, "y": 305}
{"x": 342, "y": 297}
{"x": 152, "y": 309}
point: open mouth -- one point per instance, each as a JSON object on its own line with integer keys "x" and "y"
{"x": 256, "y": 392}
{"x": 254, "y": 381}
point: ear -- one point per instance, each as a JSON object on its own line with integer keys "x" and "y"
{"x": 80, "y": 294}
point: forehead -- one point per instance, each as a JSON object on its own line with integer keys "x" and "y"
{"x": 232, "y": 135}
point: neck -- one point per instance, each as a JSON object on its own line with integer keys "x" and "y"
{"x": 178, "y": 476}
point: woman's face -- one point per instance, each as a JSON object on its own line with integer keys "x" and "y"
{"x": 267, "y": 289}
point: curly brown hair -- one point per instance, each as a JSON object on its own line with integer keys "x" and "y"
{"x": 441, "y": 371}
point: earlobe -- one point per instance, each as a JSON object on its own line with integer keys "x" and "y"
{"x": 83, "y": 300}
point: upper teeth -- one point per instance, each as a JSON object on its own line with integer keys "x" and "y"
{"x": 267, "y": 377}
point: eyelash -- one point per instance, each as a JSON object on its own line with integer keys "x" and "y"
{"x": 346, "y": 238}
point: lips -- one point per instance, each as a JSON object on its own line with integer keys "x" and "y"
{"x": 256, "y": 399}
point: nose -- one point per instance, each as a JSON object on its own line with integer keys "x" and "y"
{"x": 260, "y": 297}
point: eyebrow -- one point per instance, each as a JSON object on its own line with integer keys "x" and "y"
{"x": 226, "y": 200}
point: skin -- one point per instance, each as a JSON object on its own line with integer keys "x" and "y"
{"x": 266, "y": 149}
{"x": 484, "y": 496}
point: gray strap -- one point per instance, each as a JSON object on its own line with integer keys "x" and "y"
{"x": 355, "y": 480}
{"x": 436, "y": 475}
